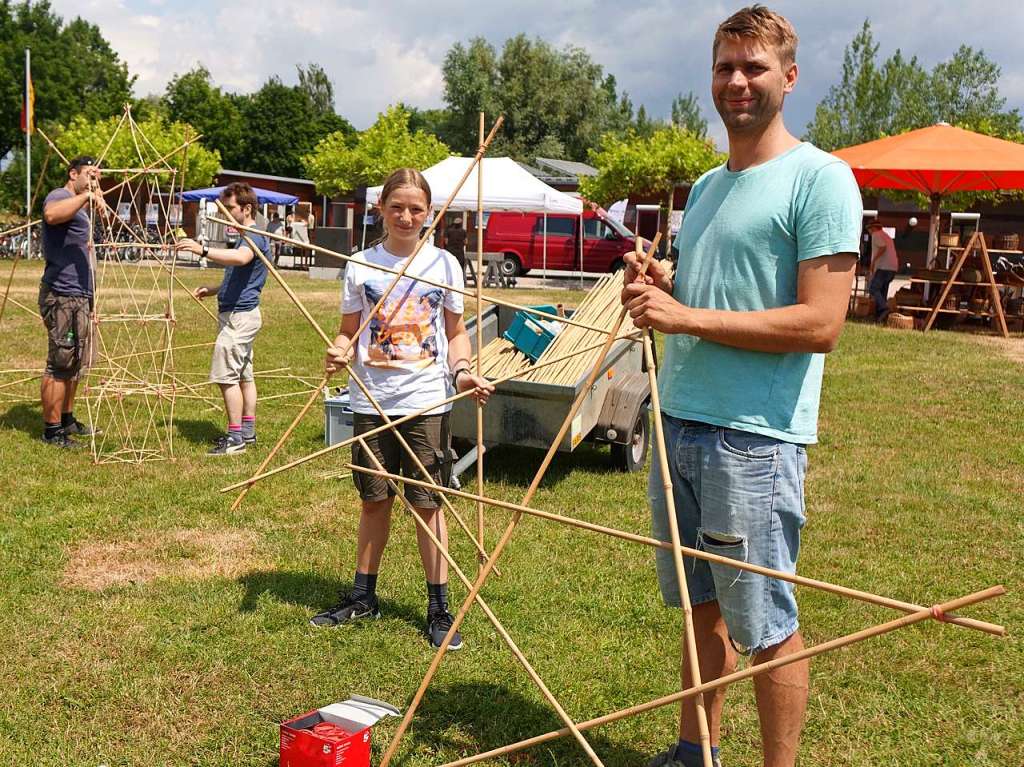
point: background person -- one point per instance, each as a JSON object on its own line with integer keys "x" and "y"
{"x": 65, "y": 298}
{"x": 767, "y": 253}
{"x": 238, "y": 306}
{"x": 884, "y": 265}
{"x": 414, "y": 352}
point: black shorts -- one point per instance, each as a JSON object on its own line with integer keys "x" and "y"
{"x": 69, "y": 333}
{"x": 429, "y": 436}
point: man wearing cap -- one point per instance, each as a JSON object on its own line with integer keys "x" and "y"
{"x": 65, "y": 298}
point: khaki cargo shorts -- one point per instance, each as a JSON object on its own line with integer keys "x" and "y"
{"x": 69, "y": 333}
{"x": 429, "y": 437}
{"x": 232, "y": 353}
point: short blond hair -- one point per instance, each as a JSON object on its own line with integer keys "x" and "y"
{"x": 759, "y": 23}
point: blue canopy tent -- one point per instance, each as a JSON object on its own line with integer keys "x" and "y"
{"x": 263, "y": 196}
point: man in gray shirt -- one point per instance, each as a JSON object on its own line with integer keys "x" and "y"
{"x": 65, "y": 298}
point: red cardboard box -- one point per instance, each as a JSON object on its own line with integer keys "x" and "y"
{"x": 334, "y": 736}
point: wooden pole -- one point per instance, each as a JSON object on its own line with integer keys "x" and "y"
{"x": 507, "y": 535}
{"x": 751, "y": 671}
{"x": 396, "y": 422}
{"x": 479, "y": 346}
{"x": 707, "y": 556}
{"x": 502, "y": 632}
{"x": 690, "y": 643}
{"x": 282, "y": 439}
{"x": 426, "y": 281}
{"x": 10, "y": 279}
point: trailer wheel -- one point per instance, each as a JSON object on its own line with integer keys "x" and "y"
{"x": 632, "y": 456}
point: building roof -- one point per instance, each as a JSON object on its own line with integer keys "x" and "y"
{"x": 568, "y": 167}
{"x": 247, "y": 174}
{"x": 548, "y": 177}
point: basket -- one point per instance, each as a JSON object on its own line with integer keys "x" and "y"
{"x": 1005, "y": 241}
{"x": 864, "y": 306}
{"x": 899, "y": 321}
{"x": 951, "y": 302}
{"x": 971, "y": 274}
{"x": 949, "y": 240}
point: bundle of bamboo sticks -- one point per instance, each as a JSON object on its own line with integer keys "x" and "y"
{"x": 598, "y": 310}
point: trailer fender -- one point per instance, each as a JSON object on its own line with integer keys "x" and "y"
{"x": 621, "y": 407}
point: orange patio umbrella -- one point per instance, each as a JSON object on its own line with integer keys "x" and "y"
{"x": 936, "y": 161}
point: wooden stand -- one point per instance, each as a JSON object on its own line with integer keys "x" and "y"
{"x": 974, "y": 251}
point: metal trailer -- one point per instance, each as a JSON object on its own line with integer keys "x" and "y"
{"x": 529, "y": 414}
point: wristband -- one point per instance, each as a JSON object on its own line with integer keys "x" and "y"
{"x": 206, "y": 251}
{"x": 455, "y": 376}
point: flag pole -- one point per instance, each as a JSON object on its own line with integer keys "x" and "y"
{"x": 28, "y": 146}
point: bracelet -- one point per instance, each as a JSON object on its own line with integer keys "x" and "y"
{"x": 455, "y": 375}
{"x": 206, "y": 251}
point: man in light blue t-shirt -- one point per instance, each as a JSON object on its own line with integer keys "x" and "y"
{"x": 767, "y": 252}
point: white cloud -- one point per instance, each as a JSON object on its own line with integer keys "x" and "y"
{"x": 392, "y": 50}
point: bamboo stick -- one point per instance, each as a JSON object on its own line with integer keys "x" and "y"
{"x": 10, "y": 279}
{"x": 282, "y": 439}
{"x": 479, "y": 344}
{"x": 503, "y": 542}
{"x": 498, "y": 627}
{"x": 426, "y": 281}
{"x": 52, "y": 145}
{"x": 751, "y": 671}
{"x": 352, "y": 376}
{"x": 24, "y": 308}
{"x": 347, "y": 442}
{"x": 677, "y": 557}
{"x": 799, "y": 580}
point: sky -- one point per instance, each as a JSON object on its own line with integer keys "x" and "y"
{"x": 391, "y": 50}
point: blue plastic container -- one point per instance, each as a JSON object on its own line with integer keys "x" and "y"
{"x": 528, "y": 334}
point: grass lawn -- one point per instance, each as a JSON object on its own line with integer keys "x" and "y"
{"x": 142, "y": 623}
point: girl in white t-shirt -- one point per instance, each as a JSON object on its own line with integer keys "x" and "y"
{"x": 414, "y": 351}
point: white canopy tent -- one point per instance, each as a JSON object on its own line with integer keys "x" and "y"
{"x": 507, "y": 187}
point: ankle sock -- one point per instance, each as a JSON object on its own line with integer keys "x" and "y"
{"x": 66, "y": 419}
{"x": 690, "y": 753}
{"x": 235, "y": 431}
{"x": 248, "y": 426}
{"x": 51, "y": 430}
{"x": 364, "y": 586}
{"x": 437, "y": 597}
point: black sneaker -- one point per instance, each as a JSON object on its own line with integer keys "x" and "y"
{"x": 438, "y": 624}
{"x": 62, "y": 440}
{"x": 669, "y": 759}
{"x": 78, "y": 429}
{"x": 249, "y": 440}
{"x": 227, "y": 445}
{"x": 347, "y": 611}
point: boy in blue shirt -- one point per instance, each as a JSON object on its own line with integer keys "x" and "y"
{"x": 238, "y": 306}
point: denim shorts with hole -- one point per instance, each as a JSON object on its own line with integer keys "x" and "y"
{"x": 740, "y": 495}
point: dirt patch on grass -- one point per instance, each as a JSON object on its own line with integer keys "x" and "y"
{"x": 192, "y": 554}
{"x": 1012, "y": 348}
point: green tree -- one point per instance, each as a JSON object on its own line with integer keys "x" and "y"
{"x": 74, "y": 69}
{"x": 649, "y": 166}
{"x": 192, "y": 98}
{"x": 875, "y": 99}
{"x": 341, "y": 163}
{"x": 90, "y": 137}
{"x": 555, "y": 102}
{"x": 281, "y": 126}
{"x": 313, "y": 80}
{"x": 686, "y": 114}
{"x": 161, "y": 137}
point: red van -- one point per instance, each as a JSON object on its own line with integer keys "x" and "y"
{"x": 520, "y": 236}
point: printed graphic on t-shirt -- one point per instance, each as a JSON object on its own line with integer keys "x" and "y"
{"x": 403, "y": 333}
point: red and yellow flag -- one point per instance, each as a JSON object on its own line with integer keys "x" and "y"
{"x": 28, "y": 108}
